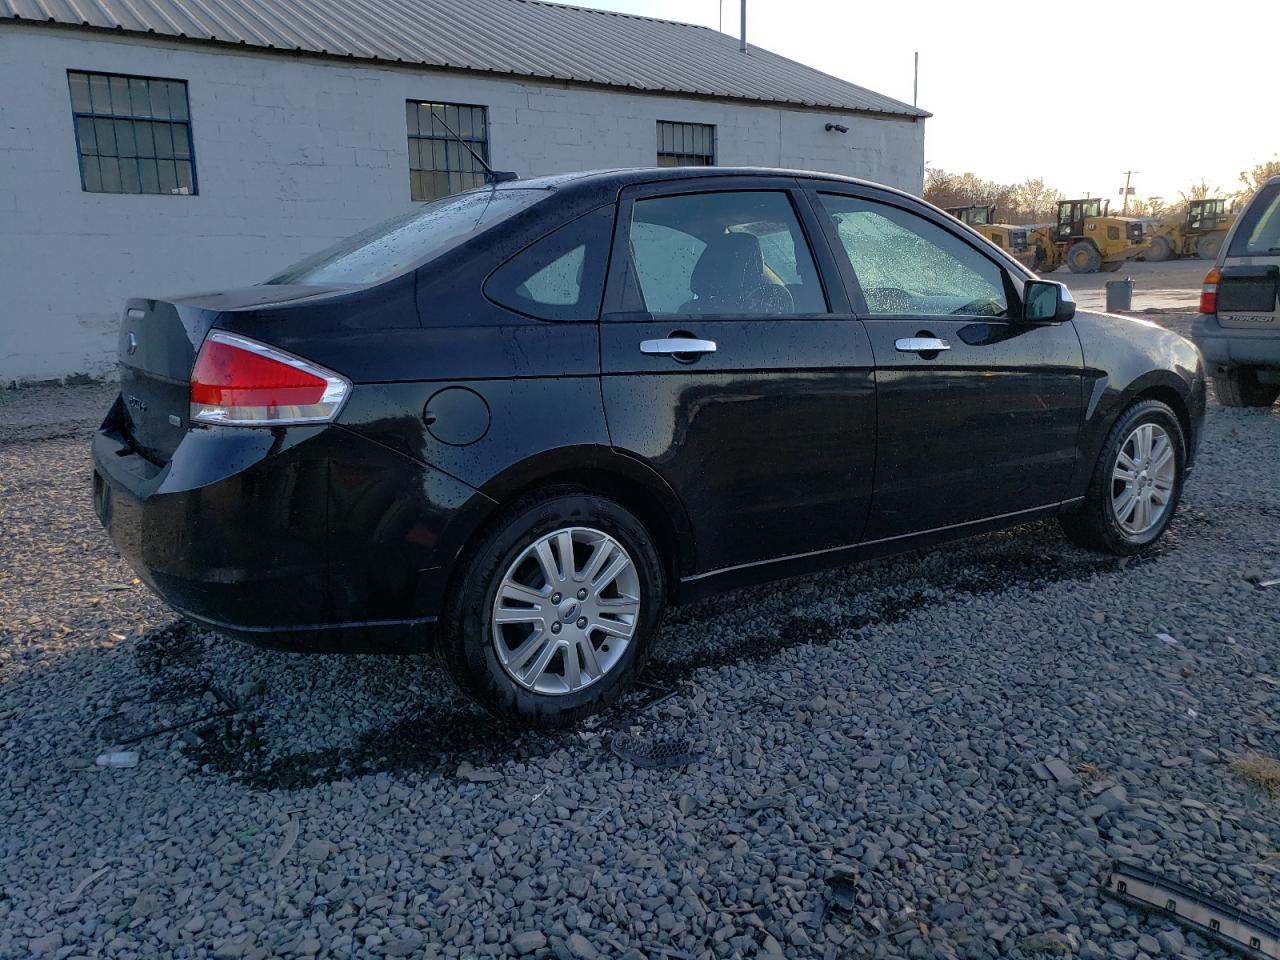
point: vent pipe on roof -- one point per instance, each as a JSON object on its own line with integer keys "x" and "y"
{"x": 742, "y": 44}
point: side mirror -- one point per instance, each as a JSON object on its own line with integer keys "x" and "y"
{"x": 1046, "y": 301}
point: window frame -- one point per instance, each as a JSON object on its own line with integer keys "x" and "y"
{"x": 621, "y": 302}
{"x": 189, "y": 123}
{"x": 711, "y": 157}
{"x": 1015, "y": 274}
{"x": 410, "y": 137}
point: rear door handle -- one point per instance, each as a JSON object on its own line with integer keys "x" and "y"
{"x": 921, "y": 345}
{"x": 670, "y": 346}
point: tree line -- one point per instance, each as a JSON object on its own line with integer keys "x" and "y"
{"x": 1034, "y": 201}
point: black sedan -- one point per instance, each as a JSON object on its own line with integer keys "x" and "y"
{"x": 516, "y": 423}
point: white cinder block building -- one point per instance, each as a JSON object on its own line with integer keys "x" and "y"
{"x": 151, "y": 147}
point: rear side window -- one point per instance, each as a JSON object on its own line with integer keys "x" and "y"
{"x": 1259, "y": 232}
{"x": 561, "y": 276}
{"x": 422, "y": 234}
{"x": 731, "y": 253}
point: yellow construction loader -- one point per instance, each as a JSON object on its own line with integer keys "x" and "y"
{"x": 1087, "y": 238}
{"x": 1007, "y": 236}
{"x": 1198, "y": 233}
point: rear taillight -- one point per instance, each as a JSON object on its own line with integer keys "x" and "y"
{"x": 240, "y": 382}
{"x": 1209, "y": 292}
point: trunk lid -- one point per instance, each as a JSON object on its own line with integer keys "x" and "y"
{"x": 157, "y": 350}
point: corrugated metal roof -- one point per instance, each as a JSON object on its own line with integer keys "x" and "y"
{"x": 516, "y": 37}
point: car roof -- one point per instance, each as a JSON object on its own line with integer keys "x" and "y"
{"x": 620, "y": 177}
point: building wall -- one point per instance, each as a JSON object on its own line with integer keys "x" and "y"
{"x": 293, "y": 153}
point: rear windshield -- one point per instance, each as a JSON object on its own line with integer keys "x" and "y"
{"x": 1258, "y": 234}
{"x": 421, "y": 234}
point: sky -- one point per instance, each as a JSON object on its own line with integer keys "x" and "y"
{"x": 1174, "y": 90}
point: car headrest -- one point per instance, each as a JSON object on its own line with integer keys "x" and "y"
{"x": 731, "y": 262}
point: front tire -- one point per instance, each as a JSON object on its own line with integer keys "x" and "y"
{"x": 1083, "y": 257}
{"x": 1044, "y": 262}
{"x": 1161, "y": 249}
{"x": 1207, "y": 247}
{"x": 1240, "y": 387}
{"x": 554, "y": 610}
{"x": 1136, "y": 483}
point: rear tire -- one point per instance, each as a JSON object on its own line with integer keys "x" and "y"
{"x": 1083, "y": 257}
{"x": 1239, "y": 387}
{"x": 523, "y": 659}
{"x": 1160, "y": 250}
{"x": 1102, "y": 521}
{"x": 1207, "y": 247}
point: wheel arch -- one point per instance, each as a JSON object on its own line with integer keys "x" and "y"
{"x": 631, "y": 483}
{"x": 1107, "y": 405}
{"x": 1174, "y": 400}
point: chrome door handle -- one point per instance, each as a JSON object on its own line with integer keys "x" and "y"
{"x": 921, "y": 345}
{"x": 673, "y": 345}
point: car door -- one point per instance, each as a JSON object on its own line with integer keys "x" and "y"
{"x": 977, "y": 412}
{"x": 727, "y": 367}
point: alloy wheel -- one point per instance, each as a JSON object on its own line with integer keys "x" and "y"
{"x": 565, "y": 611}
{"x": 1143, "y": 479}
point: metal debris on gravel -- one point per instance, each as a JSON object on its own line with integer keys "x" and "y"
{"x": 1191, "y": 908}
{"x": 889, "y": 719}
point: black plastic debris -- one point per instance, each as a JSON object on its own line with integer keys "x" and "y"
{"x": 842, "y": 888}
{"x": 645, "y": 696}
{"x": 654, "y": 754}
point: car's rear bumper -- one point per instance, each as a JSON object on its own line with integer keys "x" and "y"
{"x": 1235, "y": 346}
{"x": 305, "y": 539}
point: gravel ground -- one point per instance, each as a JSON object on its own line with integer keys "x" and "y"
{"x": 888, "y": 722}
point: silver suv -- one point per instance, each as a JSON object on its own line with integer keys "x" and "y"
{"x": 1238, "y": 329}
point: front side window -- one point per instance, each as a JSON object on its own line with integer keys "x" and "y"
{"x": 444, "y": 141}
{"x": 686, "y": 144}
{"x": 561, "y": 276}
{"x": 133, "y": 134}
{"x": 733, "y": 253}
{"x": 907, "y": 265}
{"x": 414, "y": 237}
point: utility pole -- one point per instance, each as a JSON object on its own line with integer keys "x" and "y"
{"x": 1128, "y": 174}
{"x": 742, "y": 44}
{"x": 915, "y": 82}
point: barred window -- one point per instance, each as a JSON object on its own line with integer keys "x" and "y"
{"x": 686, "y": 144}
{"x": 133, "y": 134}
{"x": 438, "y": 164}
